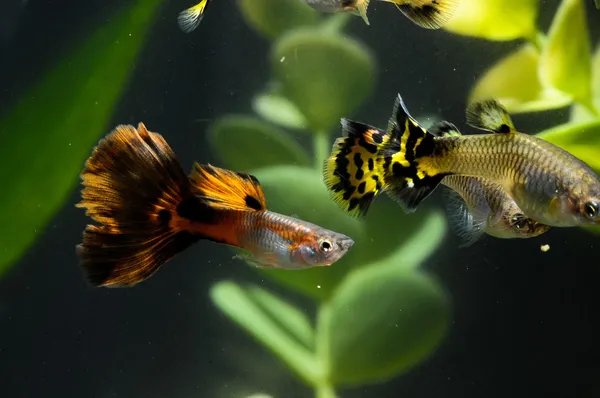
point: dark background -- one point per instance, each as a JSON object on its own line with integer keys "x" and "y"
{"x": 524, "y": 322}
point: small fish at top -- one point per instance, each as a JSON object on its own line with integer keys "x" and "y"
{"x": 189, "y": 19}
{"x": 548, "y": 184}
{"x": 147, "y": 210}
{"x": 475, "y": 205}
{"x": 430, "y": 14}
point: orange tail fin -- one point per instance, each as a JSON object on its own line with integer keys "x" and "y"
{"x": 136, "y": 189}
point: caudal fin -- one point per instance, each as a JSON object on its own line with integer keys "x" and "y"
{"x": 353, "y": 172}
{"x": 188, "y": 20}
{"x": 361, "y": 9}
{"x": 408, "y": 175}
{"x": 133, "y": 187}
{"x": 429, "y": 14}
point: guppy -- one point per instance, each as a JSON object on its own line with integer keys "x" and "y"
{"x": 477, "y": 206}
{"x": 548, "y": 184}
{"x": 149, "y": 211}
{"x": 429, "y": 14}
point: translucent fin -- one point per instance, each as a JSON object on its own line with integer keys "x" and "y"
{"x": 227, "y": 190}
{"x": 429, "y": 14}
{"x": 444, "y": 129}
{"x": 490, "y": 115}
{"x": 188, "y": 20}
{"x": 405, "y": 180}
{"x": 469, "y": 223}
{"x": 353, "y": 172}
{"x": 361, "y": 8}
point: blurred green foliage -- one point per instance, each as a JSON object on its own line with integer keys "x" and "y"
{"x": 47, "y": 134}
{"x": 548, "y": 71}
{"x": 374, "y": 298}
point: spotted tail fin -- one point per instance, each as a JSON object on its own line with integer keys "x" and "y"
{"x": 353, "y": 172}
{"x": 408, "y": 177}
{"x": 429, "y": 14}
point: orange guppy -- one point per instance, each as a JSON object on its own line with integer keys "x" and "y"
{"x": 149, "y": 210}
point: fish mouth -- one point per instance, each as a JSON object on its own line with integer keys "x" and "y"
{"x": 346, "y": 243}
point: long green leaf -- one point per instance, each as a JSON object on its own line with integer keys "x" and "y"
{"x": 48, "y": 134}
{"x": 241, "y": 308}
{"x": 565, "y": 62}
{"x": 291, "y": 318}
{"x": 514, "y": 81}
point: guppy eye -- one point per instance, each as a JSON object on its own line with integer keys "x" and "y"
{"x": 325, "y": 246}
{"x": 591, "y": 209}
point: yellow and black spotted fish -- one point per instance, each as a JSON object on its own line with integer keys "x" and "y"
{"x": 429, "y": 14}
{"x": 549, "y": 184}
{"x": 354, "y": 175}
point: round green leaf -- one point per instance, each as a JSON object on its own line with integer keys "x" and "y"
{"x": 565, "y": 59}
{"x": 245, "y": 142}
{"x": 326, "y": 75}
{"x": 382, "y": 321}
{"x": 51, "y": 130}
{"x": 392, "y": 234}
{"x": 514, "y": 82}
{"x": 495, "y": 19}
{"x": 279, "y": 110}
{"x": 300, "y": 192}
{"x": 273, "y": 17}
{"x": 582, "y": 140}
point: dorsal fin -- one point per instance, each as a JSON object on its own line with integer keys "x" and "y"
{"x": 490, "y": 115}
{"x": 444, "y": 129}
{"x": 397, "y": 124}
{"x": 227, "y": 190}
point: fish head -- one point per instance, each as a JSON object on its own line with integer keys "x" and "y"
{"x": 322, "y": 249}
{"x": 581, "y": 204}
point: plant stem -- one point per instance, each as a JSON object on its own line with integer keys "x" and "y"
{"x": 325, "y": 390}
{"x": 537, "y": 39}
{"x": 336, "y": 22}
{"x": 321, "y": 148}
{"x": 589, "y": 105}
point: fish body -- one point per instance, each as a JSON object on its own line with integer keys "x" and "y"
{"x": 147, "y": 210}
{"x": 430, "y": 14}
{"x": 477, "y": 206}
{"x": 547, "y": 183}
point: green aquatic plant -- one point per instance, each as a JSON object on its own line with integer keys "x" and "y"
{"x": 47, "y": 134}
{"x": 548, "y": 71}
{"x": 378, "y": 313}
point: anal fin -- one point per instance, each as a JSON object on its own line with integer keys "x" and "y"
{"x": 468, "y": 222}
